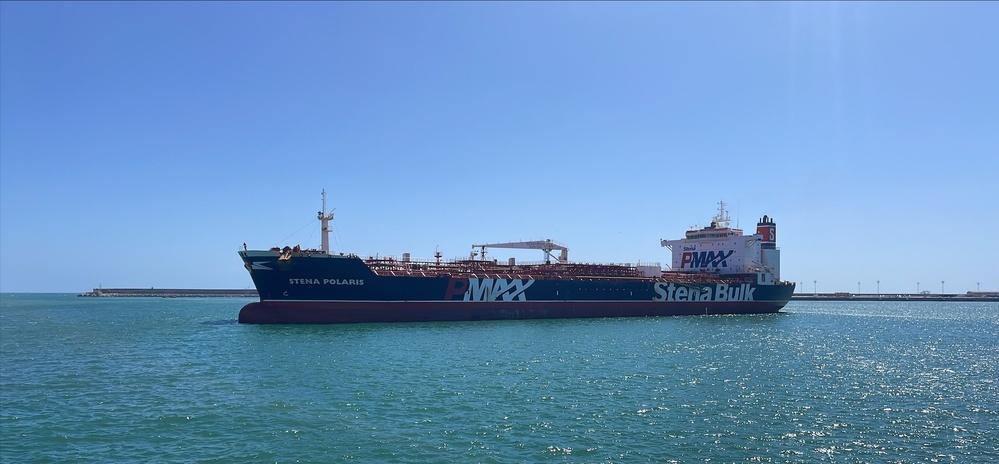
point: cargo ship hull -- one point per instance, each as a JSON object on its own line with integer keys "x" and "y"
{"x": 315, "y": 288}
{"x": 345, "y": 312}
{"x": 716, "y": 270}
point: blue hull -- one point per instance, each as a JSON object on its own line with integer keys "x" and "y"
{"x": 289, "y": 312}
{"x": 316, "y": 288}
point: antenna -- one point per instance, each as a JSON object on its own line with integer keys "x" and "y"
{"x": 721, "y": 219}
{"x": 324, "y": 219}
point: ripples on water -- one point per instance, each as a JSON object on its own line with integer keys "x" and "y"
{"x": 134, "y": 380}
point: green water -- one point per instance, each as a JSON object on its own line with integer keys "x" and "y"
{"x": 177, "y": 380}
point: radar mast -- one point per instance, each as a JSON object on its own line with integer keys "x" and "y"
{"x": 721, "y": 219}
{"x": 325, "y": 219}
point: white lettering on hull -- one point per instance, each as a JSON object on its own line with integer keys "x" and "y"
{"x": 720, "y": 292}
{"x": 326, "y": 281}
{"x": 497, "y": 289}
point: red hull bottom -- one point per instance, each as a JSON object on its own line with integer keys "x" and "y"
{"x": 345, "y": 312}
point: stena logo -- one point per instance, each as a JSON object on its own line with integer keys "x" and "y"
{"x": 488, "y": 289}
{"x": 705, "y": 259}
{"x": 718, "y": 292}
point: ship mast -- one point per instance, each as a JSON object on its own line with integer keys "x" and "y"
{"x": 722, "y": 218}
{"x": 325, "y": 219}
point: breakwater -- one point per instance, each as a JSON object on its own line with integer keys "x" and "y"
{"x": 844, "y": 296}
{"x": 244, "y": 293}
{"x": 171, "y": 292}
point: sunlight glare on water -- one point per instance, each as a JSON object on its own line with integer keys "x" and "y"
{"x": 132, "y": 379}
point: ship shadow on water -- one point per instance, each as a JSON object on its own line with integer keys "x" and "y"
{"x": 491, "y": 324}
{"x": 221, "y": 322}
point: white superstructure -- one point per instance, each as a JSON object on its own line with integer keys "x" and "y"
{"x": 721, "y": 249}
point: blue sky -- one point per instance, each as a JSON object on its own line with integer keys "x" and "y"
{"x": 142, "y": 143}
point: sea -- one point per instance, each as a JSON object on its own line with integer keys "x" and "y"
{"x": 178, "y": 380}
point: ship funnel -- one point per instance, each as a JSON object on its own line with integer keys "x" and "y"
{"x": 768, "y": 229}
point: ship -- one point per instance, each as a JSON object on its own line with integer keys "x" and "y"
{"x": 714, "y": 270}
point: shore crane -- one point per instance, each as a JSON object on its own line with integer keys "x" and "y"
{"x": 546, "y": 245}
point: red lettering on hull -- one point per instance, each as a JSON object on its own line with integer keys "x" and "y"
{"x": 456, "y": 288}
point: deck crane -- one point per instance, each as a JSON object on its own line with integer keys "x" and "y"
{"x": 546, "y": 245}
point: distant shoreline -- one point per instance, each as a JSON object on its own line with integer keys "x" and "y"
{"x": 970, "y": 296}
{"x": 245, "y": 293}
{"x": 171, "y": 292}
